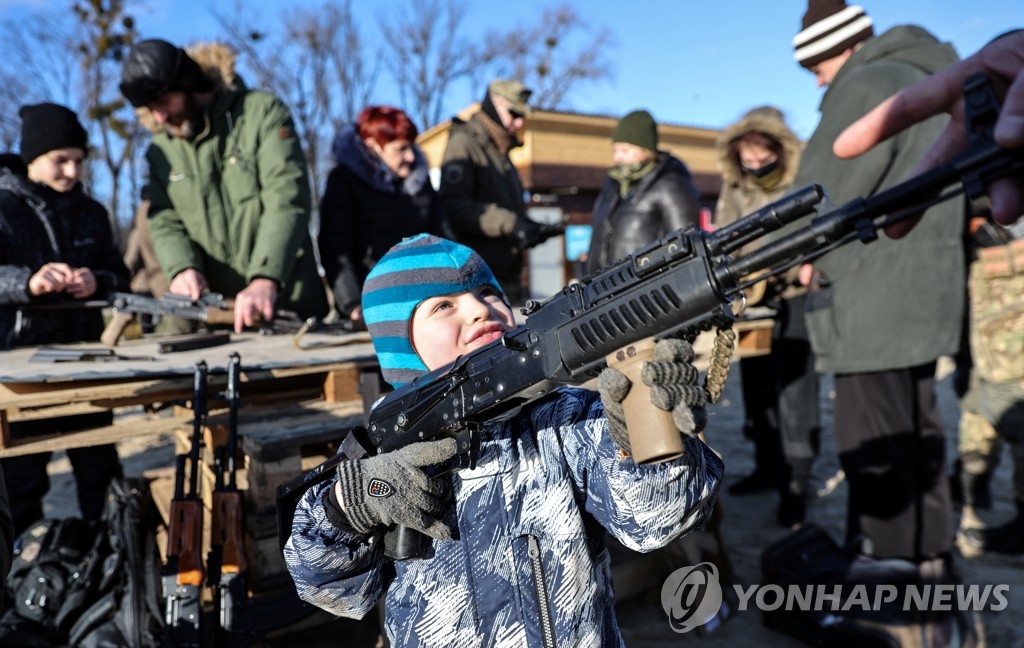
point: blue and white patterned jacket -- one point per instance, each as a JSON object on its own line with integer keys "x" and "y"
{"x": 547, "y": 485}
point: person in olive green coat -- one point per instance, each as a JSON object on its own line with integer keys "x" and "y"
{"x": 880, "y": 315}
{"x": 229, "y": 190}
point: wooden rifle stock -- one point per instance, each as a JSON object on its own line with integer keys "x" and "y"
{"x": 227, "y": 559}
{"x": 184, "y": 573}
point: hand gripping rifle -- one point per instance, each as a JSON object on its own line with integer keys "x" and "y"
{"x": 227, "y": 562}
{"x": 682, "y": 284}
{"x": 183, "y": 573}
{"x": 211, "y": 308}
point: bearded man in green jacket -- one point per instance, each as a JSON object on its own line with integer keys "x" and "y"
{"x": 229, "y": 190}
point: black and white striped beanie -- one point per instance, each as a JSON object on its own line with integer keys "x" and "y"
{"x": 830, "y": 27}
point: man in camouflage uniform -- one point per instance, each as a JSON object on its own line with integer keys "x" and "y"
{"x": 993, "y": 407}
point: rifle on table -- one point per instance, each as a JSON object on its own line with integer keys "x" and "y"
{"x": 183, "y": 573}
{"x": 211, "y": 308}
{"x": 681, "y": 284}
{"x": 227, "y": 562}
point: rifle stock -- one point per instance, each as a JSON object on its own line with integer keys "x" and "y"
{"x": 684, "y": 283}
{"x": 184, "y": 574}
{"x": 227, "y": 559}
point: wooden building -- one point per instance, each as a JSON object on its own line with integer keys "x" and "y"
{"x": 565, "y": 157}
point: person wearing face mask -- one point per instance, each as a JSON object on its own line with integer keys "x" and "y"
{"x": 647, "y": 194}
{"x": 56, "y": 246}
{"x": 481, "y": 191}
{"x": 378, "y": 193}
{"x": 758, "y": 156}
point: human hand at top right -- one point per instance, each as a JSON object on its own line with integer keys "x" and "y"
{"x": 1002, "y": 60}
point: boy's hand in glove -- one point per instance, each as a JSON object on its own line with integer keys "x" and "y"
{"x": 392, "y": 488}
{"x": 673, "y": 382}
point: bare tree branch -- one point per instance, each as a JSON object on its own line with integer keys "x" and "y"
{"x": 35, "y": 69}
{"x": 553, "y": 56}
{"x": 105, "y": 33}
{"x": 428, "y": 55}
{"x": 316, "y": 65}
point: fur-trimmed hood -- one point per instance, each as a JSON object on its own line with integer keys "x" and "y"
{"x": 217, "y": 61}
{"x": 764, "y": 119}
{"x": 352, "y": 154}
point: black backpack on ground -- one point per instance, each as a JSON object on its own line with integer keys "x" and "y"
{"x": 810, "y": 557}
{"x": 88, "y": 584}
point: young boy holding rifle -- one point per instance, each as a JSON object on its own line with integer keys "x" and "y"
{"x": 517, "y": 556}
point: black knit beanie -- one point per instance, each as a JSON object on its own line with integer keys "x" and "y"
{"x": 155, "y": 67}
{"x": 829, "y": 28}
{"x": 46, "y": 127}
{"x": 637, "y": 128}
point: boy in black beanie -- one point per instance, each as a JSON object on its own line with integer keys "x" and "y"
{"x": 56, "y": 247}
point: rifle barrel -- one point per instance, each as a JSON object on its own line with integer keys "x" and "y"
{"x": 234, "y": 378}
{"x": 766, "y": 219}
{"x": 199, "y": 413}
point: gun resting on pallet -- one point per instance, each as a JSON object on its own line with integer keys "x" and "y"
{"x": 183, "y": 573}
{"x": 682, "y": 284}
{"x": 211, "y": 308}
{"x": 227, "y": 561}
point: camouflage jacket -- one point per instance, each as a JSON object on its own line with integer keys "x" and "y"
{"x": 996, "y": 292}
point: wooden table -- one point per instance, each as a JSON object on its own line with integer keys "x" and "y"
{"x": 273, "y": 369}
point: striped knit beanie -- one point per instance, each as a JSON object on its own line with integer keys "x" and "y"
{"x": 413, "y": 271}
{"x": 829, "y": 29}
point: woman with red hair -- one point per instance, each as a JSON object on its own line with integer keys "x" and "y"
{"x": 378, "y": 193}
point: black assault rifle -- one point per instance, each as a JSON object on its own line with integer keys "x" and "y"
{"x": 183, "y": 573}
{"x": 213, "y": 309}
{"x": 682, "y": 284}
{"x": 227, "y": 561}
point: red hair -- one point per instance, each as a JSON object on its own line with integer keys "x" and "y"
{"x": 385, "y": 124}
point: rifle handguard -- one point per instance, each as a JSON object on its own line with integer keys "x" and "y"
{"x": 653, "y": 436}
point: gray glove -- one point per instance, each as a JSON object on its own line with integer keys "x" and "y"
{"x": 392, "y": 488}
{"x": 673, "y": 382}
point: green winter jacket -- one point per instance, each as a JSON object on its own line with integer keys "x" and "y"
{"x": 234, "y": 203}
{"x": 891, "y": 304}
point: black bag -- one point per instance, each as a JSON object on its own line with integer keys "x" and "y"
{"x": 810, "y": 557}
{"x": 87, "y": 584}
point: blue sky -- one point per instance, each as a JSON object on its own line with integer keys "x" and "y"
{"x": 695, "y": 62}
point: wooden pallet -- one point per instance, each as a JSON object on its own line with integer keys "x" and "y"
{"x": 274, "y": 371}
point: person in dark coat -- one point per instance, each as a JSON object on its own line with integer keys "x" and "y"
{"x": 481, "y": 191}
{"x": 758, "y": 156}
{"x": 879, "y": 316}
{"x": 56, "y": 246}
{"x": 647, "y": 194}
{"x": 378, "y": 194}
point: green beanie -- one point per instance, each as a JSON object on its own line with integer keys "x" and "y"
{"x": 637, "y": 128}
